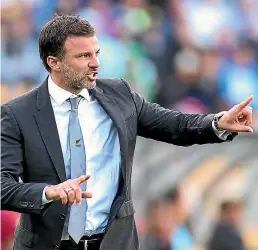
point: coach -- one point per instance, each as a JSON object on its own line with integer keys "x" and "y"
{"x": 72, "y": 141}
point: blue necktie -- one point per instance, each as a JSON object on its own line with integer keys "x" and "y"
{"x": 77, "y": 218}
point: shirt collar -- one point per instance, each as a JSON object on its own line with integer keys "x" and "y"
{"x": 60, "y": 95}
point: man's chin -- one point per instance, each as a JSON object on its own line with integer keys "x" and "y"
{"x": 90, "y": 84}
{"x": 86, "y": 85}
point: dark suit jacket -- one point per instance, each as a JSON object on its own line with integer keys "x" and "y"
{"x": 225, "y": 237}
{"x": 31, "y": 150}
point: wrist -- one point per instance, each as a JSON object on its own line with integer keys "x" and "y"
{"x": 218, "y": 122}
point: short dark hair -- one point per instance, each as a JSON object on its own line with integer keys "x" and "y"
{"x": 173, "y": 194}
{"x": 55, "y": 32}
{"x": 228, "y": 204}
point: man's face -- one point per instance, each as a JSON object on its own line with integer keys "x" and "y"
{"x": 79, "y": 67}
{"x": 181, "y": 207}
{"x": 236, "y": 215}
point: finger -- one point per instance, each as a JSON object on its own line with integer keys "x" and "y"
{"x": 249, "y": 116}
{"x": 245, "y": 103}
{"x": 86, "y": 194}
{"x": 82, "y": 178}
{"x": 62, "y": 195}
{"x": 245, "y": 116}
{"x": 77, "y": 193}
{"x": 71, "y": 196}
{"x": 242, "y": 128}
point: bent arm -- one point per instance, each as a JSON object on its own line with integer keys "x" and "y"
{"x": 16, "y": 196}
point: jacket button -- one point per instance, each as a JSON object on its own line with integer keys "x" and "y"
{"x": 31, "y": 205}
{"x": 62, "y": 216}
{"x": 56, "y": 247}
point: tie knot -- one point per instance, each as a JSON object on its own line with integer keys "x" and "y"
{"x": 75, "y": 102}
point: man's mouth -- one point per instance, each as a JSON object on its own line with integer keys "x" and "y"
{"x": 93, "y": 75}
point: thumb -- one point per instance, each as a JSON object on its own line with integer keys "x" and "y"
{"x": 82, "y": 178}
{"x": 243, "y": 128}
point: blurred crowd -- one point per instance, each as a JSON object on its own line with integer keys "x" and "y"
{"x": 168, "y": 226}
{"x": 192, "y": 55}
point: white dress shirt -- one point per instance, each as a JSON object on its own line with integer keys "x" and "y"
{"x": 102, "y": 151}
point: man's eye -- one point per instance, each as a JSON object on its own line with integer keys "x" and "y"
{"x": 84, "y": 55}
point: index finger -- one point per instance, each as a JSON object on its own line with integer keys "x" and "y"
{"x": 245, "y": 103}
{"x": 82, "y": 178}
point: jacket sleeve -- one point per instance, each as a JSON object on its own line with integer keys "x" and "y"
{"x": 16, "y": 196}
{"x": 158, "y": 123}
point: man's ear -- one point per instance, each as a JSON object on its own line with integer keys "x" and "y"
{"x": 53, "y": 63}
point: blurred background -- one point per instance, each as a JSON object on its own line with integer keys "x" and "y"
{"x": 196, "y": 56}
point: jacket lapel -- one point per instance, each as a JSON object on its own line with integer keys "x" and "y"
{"x": 48, "y": 129}
{"x": 109, "y": 105}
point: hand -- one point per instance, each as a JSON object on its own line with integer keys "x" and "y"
{"x": 240, "y": 113}
{"x": 68, "y": 191}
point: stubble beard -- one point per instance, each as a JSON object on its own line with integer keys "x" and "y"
{"x": 76, "y": 81}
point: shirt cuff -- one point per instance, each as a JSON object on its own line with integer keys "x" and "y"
{"x": 44, "y": 199}
{"x": 223, "y": 135}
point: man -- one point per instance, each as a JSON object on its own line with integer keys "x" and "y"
{"x": 181, "y": 237}
{"x": 74, "y": 126}
{"x": 9, "y": 221}
{"x": 226, "y": 235}
{"x": 158, "y": 226}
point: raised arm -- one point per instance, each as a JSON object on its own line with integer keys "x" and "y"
{"x": 172, "y": 126}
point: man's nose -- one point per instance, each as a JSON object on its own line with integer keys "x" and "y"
{"x": 94, "y": 63}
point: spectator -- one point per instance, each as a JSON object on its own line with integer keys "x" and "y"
{"x": 158, "y": 226}
{"x": 180, "y": 234}
{"x": 8, "y": 224}
{"x": 226, "y": 235}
